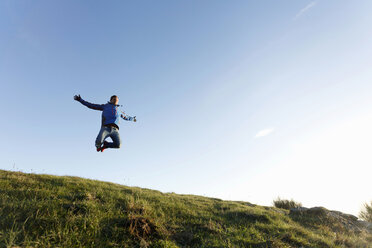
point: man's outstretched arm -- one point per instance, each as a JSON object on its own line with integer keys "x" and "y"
{"x": 88, "y": 104}
{"x": 128, "y": 118}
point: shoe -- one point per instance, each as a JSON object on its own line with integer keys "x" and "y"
{"x": 105, "y": 143}
{"x": 102, "y": 148}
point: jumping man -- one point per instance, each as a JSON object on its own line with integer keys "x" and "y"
{"x": 110, "y": 122}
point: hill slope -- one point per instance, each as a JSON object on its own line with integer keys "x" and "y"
{"x": 51, "y": 211}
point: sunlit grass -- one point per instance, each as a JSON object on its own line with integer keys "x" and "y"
{"x": 51, "y": 211}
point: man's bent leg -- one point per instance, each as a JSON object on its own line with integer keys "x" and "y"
{"x": 115, "y": 136}
{"x": 102, "y": 135}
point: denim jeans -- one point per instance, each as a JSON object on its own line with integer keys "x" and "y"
{"x": 111, "y": 132}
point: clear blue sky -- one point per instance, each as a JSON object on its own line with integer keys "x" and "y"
{"x": 241, "y": 100}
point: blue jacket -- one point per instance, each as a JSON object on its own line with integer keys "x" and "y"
{"x": 110, "y": 113}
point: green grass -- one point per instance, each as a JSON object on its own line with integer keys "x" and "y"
{"x": 52, "y": 211}
{"x": 366, "y": 213}
{"x": 286, "y": 204}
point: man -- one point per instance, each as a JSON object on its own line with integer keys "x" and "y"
{"x": 110, "y": 122}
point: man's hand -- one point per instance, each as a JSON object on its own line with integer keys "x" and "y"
{"x": 77, "y": 97}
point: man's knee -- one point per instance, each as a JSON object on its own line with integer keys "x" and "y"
{"x": 118, "y": 145}
{"x": 116, "y": 140}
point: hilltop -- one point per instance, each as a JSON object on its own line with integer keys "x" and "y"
{"x": 63, "y": 211}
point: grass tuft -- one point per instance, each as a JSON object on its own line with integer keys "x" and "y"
{"x": 286, "y": 204}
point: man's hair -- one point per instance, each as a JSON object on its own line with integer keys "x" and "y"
{"x": 113, "y": 97}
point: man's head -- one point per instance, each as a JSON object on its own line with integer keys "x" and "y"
{"x": 114, "y": 99}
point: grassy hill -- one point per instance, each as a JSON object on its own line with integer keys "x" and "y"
{"x": 53, "y": 211}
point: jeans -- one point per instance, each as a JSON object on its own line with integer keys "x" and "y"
{"x": 111, "y": 132}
